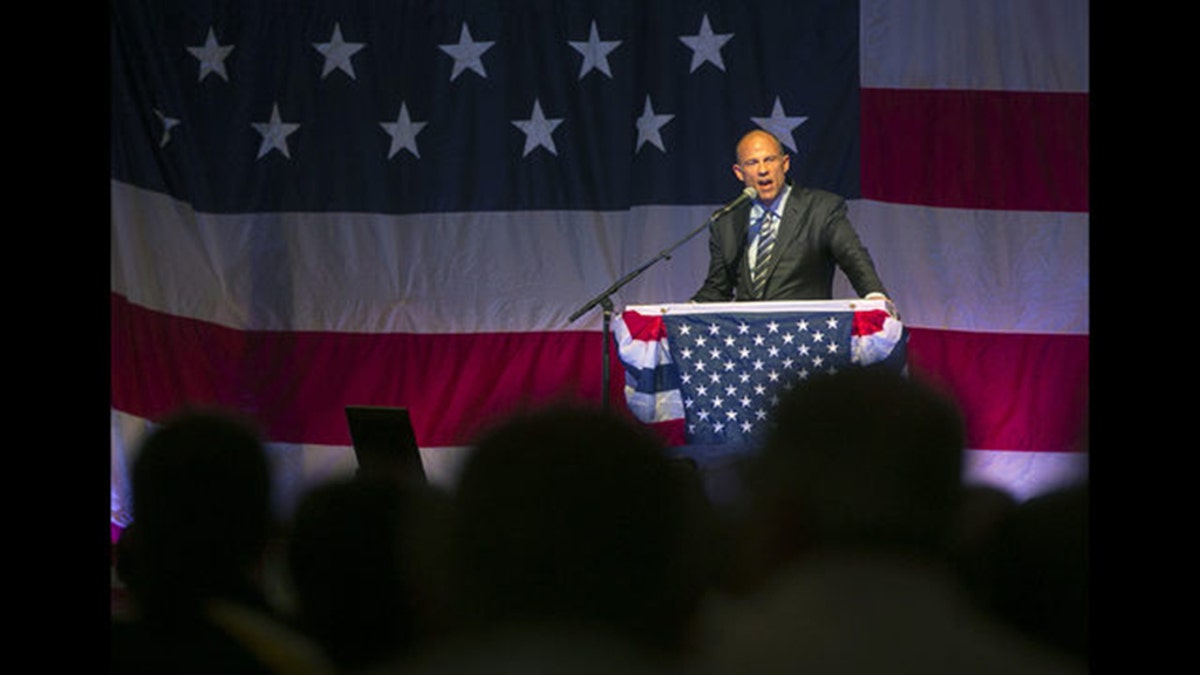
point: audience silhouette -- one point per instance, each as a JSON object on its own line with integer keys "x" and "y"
{"x": 201, "y": 492}
{"x": 367, "y": 571}
{"x": 854, "y": 501}
{"x": 578, "y": 547}
{"x": 982, "y": 509}
{"x": 1033, "y": 568}
{"x": 573, "y": 542}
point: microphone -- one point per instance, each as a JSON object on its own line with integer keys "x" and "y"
{"x": 747, "y": 194}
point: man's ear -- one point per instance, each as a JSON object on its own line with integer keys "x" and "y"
{"x": 737, "y": 171}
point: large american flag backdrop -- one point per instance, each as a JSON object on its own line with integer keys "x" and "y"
{"x": 401, "y": 202}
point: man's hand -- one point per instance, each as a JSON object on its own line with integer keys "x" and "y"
{"x": 889, "y": 306}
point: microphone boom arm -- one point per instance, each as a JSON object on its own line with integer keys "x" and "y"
{"x": 746, "y": 194}
{"x": 605, "y": 298}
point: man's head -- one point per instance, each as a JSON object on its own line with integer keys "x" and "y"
{"x": 762, "y": 164}
{"x": 201, "y": 493}
{"x": 864, "y": 459}
{"x": 570, "y": 516}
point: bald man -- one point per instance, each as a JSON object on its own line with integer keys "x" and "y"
{"x": 785, "y": 243}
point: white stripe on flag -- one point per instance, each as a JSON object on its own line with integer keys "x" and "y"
{"x": 982, "y": 44}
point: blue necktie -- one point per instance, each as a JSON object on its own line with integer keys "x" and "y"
{"x": 765, "y": 244}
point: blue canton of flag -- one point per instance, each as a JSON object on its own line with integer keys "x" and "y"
{"x": 436, "y": 107}
{"x": 733, "y": 367}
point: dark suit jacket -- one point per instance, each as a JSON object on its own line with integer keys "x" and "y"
{"x": 814, "y": 237}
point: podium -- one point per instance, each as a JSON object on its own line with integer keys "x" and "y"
{"x": 710, "y": 373}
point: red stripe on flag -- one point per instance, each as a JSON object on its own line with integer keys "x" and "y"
{"x": 868, "y": 322}
{"x": 648, "y": 327}
{"x": 976, "y": 149}
{"x": 297, "y": 383}
{"x": 1016, "y": 391}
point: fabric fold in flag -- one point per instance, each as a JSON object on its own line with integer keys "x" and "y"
{"x": 651, "y": 377}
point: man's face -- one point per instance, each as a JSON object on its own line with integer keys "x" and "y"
{"x": 761, "y": 165}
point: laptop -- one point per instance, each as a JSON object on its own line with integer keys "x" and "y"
{"x": 384, "y": 443}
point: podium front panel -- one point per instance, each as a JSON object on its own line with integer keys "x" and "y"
{"x": 711, "y": 373}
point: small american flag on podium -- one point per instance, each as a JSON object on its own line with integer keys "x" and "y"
{"x": 711, "y": 374}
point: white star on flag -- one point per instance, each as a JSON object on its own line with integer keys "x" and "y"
{"x": 274, "y": 134}
{"x": 467, "y": 53}
{"x": 595, "y": 53}
{"x": 337, "y": 53}
{"x": 649, "y": 127}
{"x": 403, "y": 132}
{"x": 168, "y": 124}
{"x": 538, "y": 130}
{"x": 780, "y": 125}
{"x": 212, "y": 57}
{"x": 706, "y": 45}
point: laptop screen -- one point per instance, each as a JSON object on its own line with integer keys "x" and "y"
{"x": 384, "y": 442}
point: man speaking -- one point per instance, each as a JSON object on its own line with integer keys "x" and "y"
{"x": 784, "y": 243}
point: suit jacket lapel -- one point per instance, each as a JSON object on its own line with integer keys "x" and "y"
{"x": 741, "y": 225}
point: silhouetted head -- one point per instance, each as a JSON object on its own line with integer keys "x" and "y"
{"x": 363, "y": 560}
{"x": 201, "y": 493}
{"x": 1037, "y": 572}
{"x": 864, "y": 459}
{"x": 572, "y": 517}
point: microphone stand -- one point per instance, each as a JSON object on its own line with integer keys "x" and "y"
{"x": 605, "y": 300}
